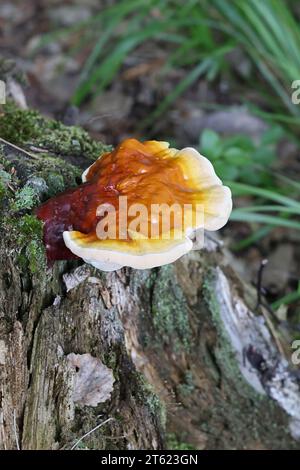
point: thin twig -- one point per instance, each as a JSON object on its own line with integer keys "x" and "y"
{"x": 263, "y": 264}
{"x": 38, "y": 149}
{"x": 101, "y": 116}
{"x": 18, "y": 148}
{"x": 92, "y": 430}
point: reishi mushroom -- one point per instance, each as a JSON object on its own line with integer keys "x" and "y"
{"x": 146, "y": 175}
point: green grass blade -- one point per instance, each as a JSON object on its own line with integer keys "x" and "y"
{"x": 253, "y": 238}
{"x": 269, "y": 208}
{"x": 240, "y": 216}
{"x": 287, "y": 299}
{"x": 244, "y": 189}
{"x": 190, "y": 78}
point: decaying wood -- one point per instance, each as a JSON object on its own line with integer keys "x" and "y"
{"x": 176, "y": 356}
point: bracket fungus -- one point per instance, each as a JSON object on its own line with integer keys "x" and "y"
{"x": 139, "y": 206}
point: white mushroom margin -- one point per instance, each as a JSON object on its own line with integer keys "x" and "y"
{"x": 217, "y": 209}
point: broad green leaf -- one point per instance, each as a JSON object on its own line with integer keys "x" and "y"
{"x": 210, "y": 144}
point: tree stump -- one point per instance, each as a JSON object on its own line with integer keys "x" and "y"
{"x": 176, "y": 357}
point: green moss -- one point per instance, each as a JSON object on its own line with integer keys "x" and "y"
{"x": 187, "y": 387}
{"x": 174, "y": 443}
{"x": 5, "y": 177}
{"x": 2, "y": 192}
{"x": 148, "y": 396}
{"x": 27, "y": 127}
{"x": 70, "y": 140}
{"x": 25, "y": 198}
{"x": 35, "y": 254}
{"x": 20, "y": 126}
{"x": 170, "y": 311}
{"x": 156, "y": 407}
{"x": 56, "y": 183}
{"x": 25, "y": 236}
{"x": 58, "y": 174}
{"x": 29, "y": 232}
{"x": 36, "y": 178}
{"x": 110, "y": 360}
{"x": 29, "y": 226}
{"x": 17, "y": 125}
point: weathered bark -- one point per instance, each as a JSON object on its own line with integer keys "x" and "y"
{"x": 165, "y": 356}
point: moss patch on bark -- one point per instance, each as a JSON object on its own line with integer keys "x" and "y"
{"x": 21, "y": 127}
{"x": 27, "y": 180}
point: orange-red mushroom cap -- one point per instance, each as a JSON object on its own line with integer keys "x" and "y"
{"x": 145, "y": 175}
